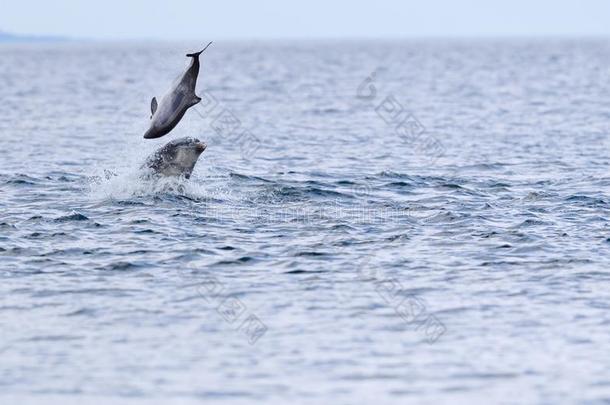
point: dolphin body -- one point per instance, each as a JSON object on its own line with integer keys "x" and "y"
{"x": 168, "y": 113}
{"x": 175, "y": 159}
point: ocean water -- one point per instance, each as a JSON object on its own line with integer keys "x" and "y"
{"x": 389, "y": 222}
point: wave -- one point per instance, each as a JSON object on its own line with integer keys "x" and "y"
{"x": 127, "y": 185}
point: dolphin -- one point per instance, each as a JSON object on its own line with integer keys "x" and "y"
{"x": 168, "y": 113}
{"x": 175, "y": 159}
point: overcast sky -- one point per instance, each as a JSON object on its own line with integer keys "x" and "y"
{"x": 245, "y": 19}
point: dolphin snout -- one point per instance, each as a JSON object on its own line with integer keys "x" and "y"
{"x": 151, "y": 134}
{"x": 200, "y": 146}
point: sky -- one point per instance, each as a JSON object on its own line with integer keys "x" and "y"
{"x": 285, "y": 19}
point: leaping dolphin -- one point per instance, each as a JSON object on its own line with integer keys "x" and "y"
{"x": 175, "y": 159}
{"x": 168, "y": 113}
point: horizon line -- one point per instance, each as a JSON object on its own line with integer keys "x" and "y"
{"x": 8, "y": 36}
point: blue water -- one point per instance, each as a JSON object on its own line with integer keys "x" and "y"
{"x": 388, "y": 222}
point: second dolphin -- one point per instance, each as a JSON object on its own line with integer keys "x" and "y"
{"x": 168, "y": 113}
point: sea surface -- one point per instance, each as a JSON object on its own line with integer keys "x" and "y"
{"x": 372, "y": 222}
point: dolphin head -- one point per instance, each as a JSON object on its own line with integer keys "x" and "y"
{"x": 155, "y": 131}
{"x": 177, "y": 158}
{"x": 187, "y": 151}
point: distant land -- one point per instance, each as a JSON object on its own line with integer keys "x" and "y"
{"x": 9, "y": 37}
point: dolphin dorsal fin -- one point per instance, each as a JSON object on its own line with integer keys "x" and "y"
{"x": 194, "y": 100}
{"x": 153, "y": 105}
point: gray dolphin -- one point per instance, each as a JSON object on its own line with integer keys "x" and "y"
{"x": 168, "y": 113}
{"x": 175, "y": 159}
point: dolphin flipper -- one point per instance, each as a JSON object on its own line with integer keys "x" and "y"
{"x": 153, "y": 106}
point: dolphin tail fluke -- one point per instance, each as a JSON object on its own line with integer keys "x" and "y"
{"x": 196, "y": 54}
